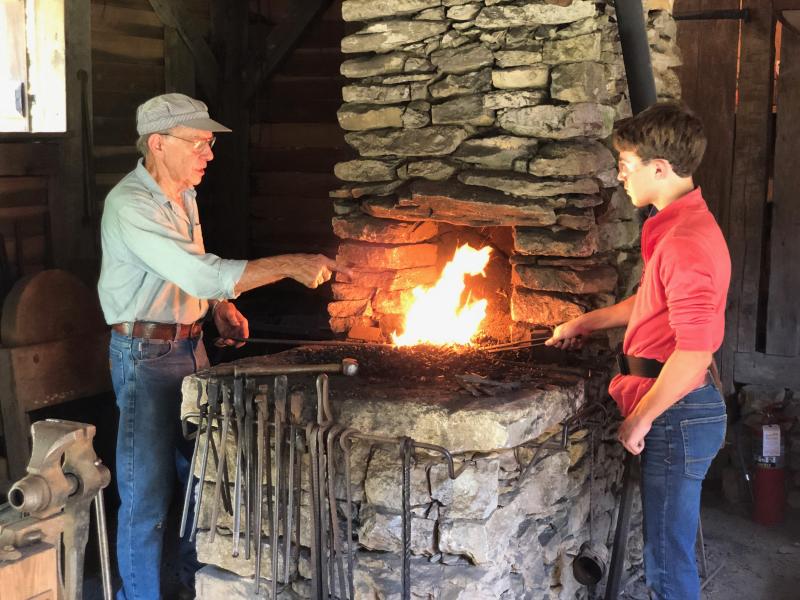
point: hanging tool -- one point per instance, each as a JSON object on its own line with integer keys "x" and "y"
{"x": 221, "y": 479}
{"x": 620, "y": 546}
{"x": 249, "y": 407}
{"x": 64, "y": 477}
{"x": 296, "y": 402}
{"x": 201, "y": 414}
{"x": 280, "y": 391}
{"x": 212, "y": 389}
{"x": 261, "y": 432}
{"x": 336, "y": 547}
{"x": 239, "y": 414}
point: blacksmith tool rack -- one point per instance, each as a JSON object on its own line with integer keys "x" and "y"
{"x": 256, "y": 405}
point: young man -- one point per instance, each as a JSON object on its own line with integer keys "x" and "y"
{"x": 156, "y": 285}
{"x": 674, "y": 415}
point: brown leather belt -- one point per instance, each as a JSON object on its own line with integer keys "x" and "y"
{"x": 159, "y": 331}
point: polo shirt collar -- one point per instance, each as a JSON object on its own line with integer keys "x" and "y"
{"x": 661, "y": 222}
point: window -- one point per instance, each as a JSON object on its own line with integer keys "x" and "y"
{"x": 32, "y": 79}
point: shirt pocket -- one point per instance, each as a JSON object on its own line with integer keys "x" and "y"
{"x": 702, "y": 439}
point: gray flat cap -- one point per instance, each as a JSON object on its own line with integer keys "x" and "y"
{"x": 169, "y": 110}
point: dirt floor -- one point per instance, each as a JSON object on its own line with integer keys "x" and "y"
{"x": 757, "y": 562}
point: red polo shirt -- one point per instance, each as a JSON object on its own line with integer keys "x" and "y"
{"x": 681, "y": 298}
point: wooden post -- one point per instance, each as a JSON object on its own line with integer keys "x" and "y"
{"x": 73, "y": 237}
{"x": 783, "y": 310}
{"x": 226, "y": 217}
{"x": 744, "y": 222}
{"x": 179, "y": 71}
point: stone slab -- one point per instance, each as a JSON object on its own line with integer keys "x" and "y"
{"x": 386, "y": 231}
{"x": 379, "y": 257}
{"x": 460, "y": 204}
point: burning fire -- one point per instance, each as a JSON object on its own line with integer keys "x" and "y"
{"x": 436, "y": 314}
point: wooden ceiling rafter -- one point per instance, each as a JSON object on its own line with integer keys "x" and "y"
{"x": 279, "y": 43}
{"x": 173, "y": 13}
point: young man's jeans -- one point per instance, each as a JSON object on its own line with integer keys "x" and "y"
{"x": 151, "y": 452}
{"x": 678, "y": 451}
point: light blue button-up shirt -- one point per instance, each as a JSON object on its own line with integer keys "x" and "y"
{"x": 155, "y": 267}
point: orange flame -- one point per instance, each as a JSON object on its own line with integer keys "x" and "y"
{"x": 436, "y": 315}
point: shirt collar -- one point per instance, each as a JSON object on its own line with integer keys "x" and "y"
{"x": 665, "y": 219}
{"x": 147, "y": 180}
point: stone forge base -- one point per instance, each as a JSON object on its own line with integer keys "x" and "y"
{"x": 491, "y": 532}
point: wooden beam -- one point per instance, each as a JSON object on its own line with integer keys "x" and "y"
{"x": 791, "y": 19}
{"x": 73, "y": 235}
{"x": 225, "y": 216}
{"x": 278, "y": 44}
{"x": 766, "y": 369}
{"x": 173, "y": 14}
{"x": 179, "y": 67}
{"x": 783, "y": 311}
{"x": 744, "y": 221}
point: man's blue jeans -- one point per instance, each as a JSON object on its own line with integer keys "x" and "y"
{"x": 151, "y": 452}
{"x": 678, "y": 451}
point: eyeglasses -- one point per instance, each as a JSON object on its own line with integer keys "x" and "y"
{"x": 197, "y": 145}
{"x": 626, "y": 170}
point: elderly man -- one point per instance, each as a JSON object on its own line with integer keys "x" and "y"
{"x": 156, "y": 285}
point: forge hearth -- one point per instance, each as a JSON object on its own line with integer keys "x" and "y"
{"x": 490, "y": 533}
{"x": 487, "y": 123}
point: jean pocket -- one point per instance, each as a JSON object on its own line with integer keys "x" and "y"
{"x": 149, "y": 350}
{"x": 117, "y": 366}
{"x": 702, "y": 439}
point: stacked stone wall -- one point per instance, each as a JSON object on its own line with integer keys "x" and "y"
{"x": 495, "y": 117}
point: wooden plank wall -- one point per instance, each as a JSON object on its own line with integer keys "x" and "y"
{"x": 783, "y": 308}
{"x": 296, "y": 140}
{"x": 128, "y": 67}
{"x": 28, "y": 172}
{"x": 711, "y": 92}
{"x": 750, "y": 179}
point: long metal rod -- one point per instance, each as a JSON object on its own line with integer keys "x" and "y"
{"x": 290, "y": 342}
{"x": 406, "y": 451}
{"x": 190, "y": 479}
{"x": 261, "y": 402}
{"x": 621, "y": 535}
{"x": 102, "y": 538}
{"x": 221, "y": 480}
{"x": 281, "y": 385}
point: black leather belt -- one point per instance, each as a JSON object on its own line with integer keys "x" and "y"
{"x": 638, "y": 366}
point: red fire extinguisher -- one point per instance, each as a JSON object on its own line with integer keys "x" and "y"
{"x": 769, "y": 477}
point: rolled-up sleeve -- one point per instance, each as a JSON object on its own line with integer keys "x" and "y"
{"x": 692, "y": 296}
{"x": 160, "y": 250}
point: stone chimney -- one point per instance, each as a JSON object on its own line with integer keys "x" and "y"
{"x": 486, "y": 122}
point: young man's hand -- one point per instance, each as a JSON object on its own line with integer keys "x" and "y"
{"x": 569, "y": 335}
{"x": 230, "y": 324}
{"x": 633, "y": 431}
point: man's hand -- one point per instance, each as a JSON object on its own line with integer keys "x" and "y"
{"x": 230, "y": 324}
{"x": 312, "y": 270}
{"x": 569, "y": 335}
{"x": 633, "y": 431}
